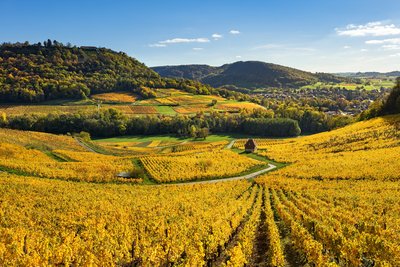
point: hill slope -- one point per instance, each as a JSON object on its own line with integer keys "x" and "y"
{"x": 36, "y": 73}
{"x": 98, "y": 223}
{"x": 33, "y": 73}
{"x": 366, "y": 150}
{"x": 247, "y": 74}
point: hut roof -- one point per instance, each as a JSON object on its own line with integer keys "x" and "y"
{"x": 250, "y": 144}
{"x": 124, "y": 175}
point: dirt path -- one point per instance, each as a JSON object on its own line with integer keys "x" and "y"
{"x": 261, "y": 242}
{"x": 223, "y": 257}
{"x": 82, "y": 144}
{"x": 247, "y": 176}
{"x": 230, "y": 145}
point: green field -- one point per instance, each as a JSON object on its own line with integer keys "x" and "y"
{"x": 367, "y": 84}
{"x": 166, "y": 110}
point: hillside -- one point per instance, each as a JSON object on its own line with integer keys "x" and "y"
{"x": 353, "y": 152}
{"x": 247, "y": 74}
{"x": 341, "y": 186}
{"x": 166, "y": 102}
{"x": 195, "y": 72}
{"x": 37, "y": 73}
{"x": 370, "y": 74}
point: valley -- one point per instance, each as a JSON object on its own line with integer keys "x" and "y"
{"x": 105, "y": 161}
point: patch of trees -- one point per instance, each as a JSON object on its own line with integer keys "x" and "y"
{"x": 390, "y": 105}
{"x": 271, "y": 127}
{"x": 111, "y": 122}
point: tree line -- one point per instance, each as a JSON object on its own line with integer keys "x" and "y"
{"x": 111, "y": 122}
{"x": 387, "y": 106}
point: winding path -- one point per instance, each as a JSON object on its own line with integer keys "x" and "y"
{"x": 82, "y": 144}
{"x": 230, "y": 145}
{"x": 247, "y": 176}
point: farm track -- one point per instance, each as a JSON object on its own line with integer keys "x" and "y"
{"x": 261, "y": 242}
{"x": 243, "y": 177}
{"x": 230, "y": 145}
{"x": 82, "y": 144}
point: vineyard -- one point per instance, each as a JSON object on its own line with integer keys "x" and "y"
{"x": 278, "y": 222}
{"x": 334, "y": 204}
{"x": 363, "y": 151}
{"x": 159, "y": 146}
{"x": 118, "y": 97}
{"x": 199, "y": 165}
{"x": 62, "y": 164}
{"x": 167, "y": 102}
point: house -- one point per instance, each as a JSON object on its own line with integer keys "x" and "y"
{"x": 250, "y": 146}
{"x": 92, "y": 48}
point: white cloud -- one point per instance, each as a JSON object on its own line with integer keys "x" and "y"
{"x": 179, "y": 41}
{"x": 384, "y": 41}
{"x": 198, "y": 48}
{"x": 283, "y": 47}
{"x": 391, "y": 47}
{"x": 238, "y": 56}
{"x": 363, "y": 50}
{"x": 346, "y": 47}
{"x": 268, "y": 46}
{"x": 234, "y": 32}
{"x": 377, "y": 28}
{"x": 157, "y": 45}
{"x": 216, "y": 36}
{"x": 395, "y": 55}
{"x": 185, "y": 40}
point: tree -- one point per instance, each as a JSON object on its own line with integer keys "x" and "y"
{"x": 203, "y": 133}
{"x": 48, "y": 43}
{"x": 3, "y": 119}
{"x": 193, "y": 131}
{"x": 392, "y": 103}
{"x": 85, "y": 136}
{"x": 213, "y": 102}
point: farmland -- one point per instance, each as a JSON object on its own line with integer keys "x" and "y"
{"x": 366, "y": 83}
{"x": 314, "y": 210}
{"x": 168, "y": 102}
{"x": 200, "y": 134}
{"x": 197, "y": 165}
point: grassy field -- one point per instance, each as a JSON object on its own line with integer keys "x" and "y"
{"x": 166, "y": 110}
{"x": 367, "y": 84}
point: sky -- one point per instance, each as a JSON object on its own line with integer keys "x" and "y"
{"x": 313, "y": 35}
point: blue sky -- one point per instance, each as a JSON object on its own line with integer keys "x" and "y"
{"x": 329, "y": 36}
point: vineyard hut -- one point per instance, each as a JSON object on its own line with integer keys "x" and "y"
{"x": 250, "y": 146}
{"x": 124, "y": 175}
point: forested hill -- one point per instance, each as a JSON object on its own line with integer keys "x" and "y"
{"x": 247, "y": 74}
{"x": 40, "y": 72}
